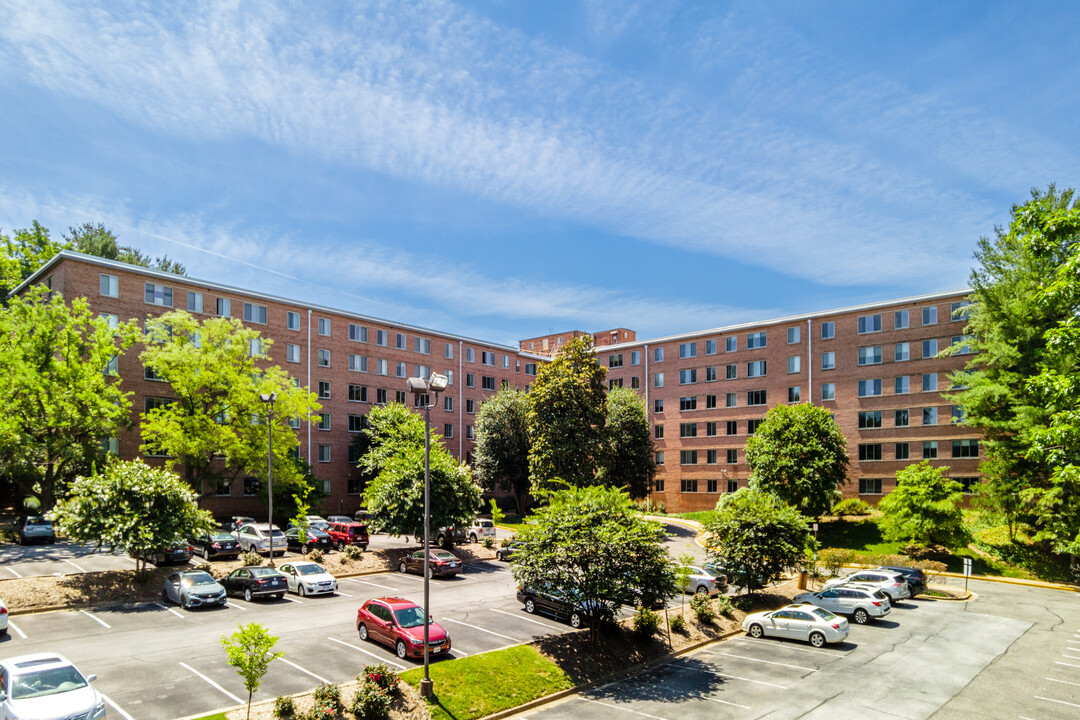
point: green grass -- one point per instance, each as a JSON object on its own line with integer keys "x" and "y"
{"x": 700, "y": 515}
{"x": 480, "y": 685}
{"x": 859, "y": 535}
{"x": 215, "y": 716}
{"x": 514, "y": 522}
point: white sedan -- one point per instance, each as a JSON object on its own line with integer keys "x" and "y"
{"x": 798, "y": 622}
{"x": 308, "y": 578}
{"x": 47, "y": 685}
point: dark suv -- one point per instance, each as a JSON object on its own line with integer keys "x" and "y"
{"x": 348, "y": 533}
{"x": 34, "y": 528}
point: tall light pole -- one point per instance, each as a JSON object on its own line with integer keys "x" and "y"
{"x": 270, "y": 468}
{"x": 420, "y": 387}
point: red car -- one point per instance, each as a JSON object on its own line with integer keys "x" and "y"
{"x": 348, "y": 533}
{"x": 400, "y": 624}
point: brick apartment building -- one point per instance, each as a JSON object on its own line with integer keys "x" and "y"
{"x": 550, "y": 345}
{"x": 350, "y": 361}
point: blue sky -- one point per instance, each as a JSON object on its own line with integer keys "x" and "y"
{"x": 502, "y": 168}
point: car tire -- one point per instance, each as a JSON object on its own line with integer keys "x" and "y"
{"x": 247, "y": 594}
{"x": 530, "y": 606}
{"x": 430, "y": 573}
{"x": 362, "y": 629}
{"x": 301, "y": 591}
{"x": 304, "y": 549}
{"x": 499, "y": 556}
{"x": 472, "y": 538}
{"x": 817, "y": 639}
{"x": 861, "y": 617}
{"x": 701, "y": 590}
{"x": 279, "y": 596}
{"x": 575, "y": 620}
{"x": 402, "y": 567}
{"x": 401, "y": 649}
{"x": 756, "y": 631}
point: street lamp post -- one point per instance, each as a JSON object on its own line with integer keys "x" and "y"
{"x": 270, "y": 468}
{"x": 420, "y": 387}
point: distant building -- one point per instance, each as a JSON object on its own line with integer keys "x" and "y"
{"x": 550, "y": 345}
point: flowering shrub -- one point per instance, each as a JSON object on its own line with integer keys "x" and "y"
{"x": 284, "y": 707}
{"x": 702, "y": 607}
{"x": 328, "y": 697}
{"x": 315, "y": 555}
{"x": 371, "y": 702}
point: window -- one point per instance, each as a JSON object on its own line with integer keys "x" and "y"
{"x": 828, "y": 361}
{"x": 688, "y": 350}
{"x": 448, "y": 403}
{"x": 470, "y": 406}
{"x": 828, "y": 391}
{"x": 469, "y": 432}
{"x": 792, "y": 335}
{"x": 614, "y": 361}
{"x": 324, "y": 358}
{"x": 487, "y": 358}
{"x": 828, "y": 330}
{"x": 710, "y": 402}
{"x": 423, "y": 371}
{"x": 689, "y": 485}
{"x": 422, "y": 346}
{"x": 929, "y": 348}
{"x": 902, "y": 384}
{"x": 929, "y": 382}
{"x": 710, "y": 374}
{"x": 753, "y": 425}
{"x": 688, "y": 376}
{"x": 962, "y": 344}
{"x": 969, "y": 484}
{"x": 731, "y": 344}
{"x": 732, "y": 458}
{"x": 687, "y": 430}
{"x": 111, "y": 319}
{"x": 959, "y": 311}
{"x": 710, "y": 459}
{"x": 929, "y": 416}
{"x": 257, "y": 314}
{"x": 448, "y": 351}
{"x": 710, "y": 429}
{"x": 730, "y": 400}
{"x": 470, "y": 355}
{"x": 732, "y": 427}
{"x": 292, "y": 320}
{"x": 110, "y": 285}
{"x": 194, "y": 302}
{"x": 380, "y": 396}
{"x": 901, "y": 418}
{"x": 357, "y": 423}
{"x": 710, "y": 347}
{"x": 901, "y": 320}
{"x": 401, "y": 369}
{"x": 380, "y": 337}
{"x": 381, "y": 366}
{"x": 869, "y": 486}
{"x": 635, "y": 357}
{"x": 903, "y": 451}
{"x": 757, "y": 368}
{"x": 255, "y": 347}
{"x": 658, "y": 458}
{"x": 870, "y": 355}
{"x": 658, "y": 405}
{"x": 688, "y": 457}
{"x": 902, "y": 352}
{"x": 870, "y": 452}
{"x": 113, "y": 366}
{"x": 755, "y": 340}
{"x": 324, "y": 453}
{"x": 158, "y": 295}
{"x": 487, "y": 382}
{"x": 711, "y": 482}
{"x": 732, "y": 371}
{"x": 530, "y": 368}
{"x": 358, "y": 363}
{"x": 148, "y": 372}
{"x": 957, "y": 414}
{"x": 358, "y": 393}
{"x": 929, "y": 316}
{"x": 400, "y": 341}
{"x": 612, "y": 383}
{"x": 470, "y": 380}
{"x": 869, "y": 419}
{"x": 869, "y": 388}
{"x": 794, "y": 393}
{"x": 324, "y": 390}
{"x": 929, "y": 450}
{"x": 869, "y": 324}
{"x": 324, "y": 421}
{"x": 688, "y": 403}
{"x": 794, "y": 364}
{"x": 732, "y": 486}
{"x": 224, "y": 307}
{"x": 755, "y": 397}
{"x": 635, "y": 382}
{"x": 658, "y": 354}
{"x": 658, "y": 432}
{"x": 658, "y": 380}
{"x": 965, "y": 448}
{"x": 292, "y": 353}
{"x": 251, "y": 486}
{"x": 448, "y": 430}
{"x": 399, "y": 397}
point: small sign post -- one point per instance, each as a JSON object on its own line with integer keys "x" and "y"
{"x": 967, "y": 572}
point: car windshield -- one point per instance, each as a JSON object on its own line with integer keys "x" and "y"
{"x": 443, "y": 555}
{"x": 200, "y": 578}
{"x": 37, "y": 521}
{"x": 264, "y": 572}
{"x": 311, "y": 569}
{"x": 222, "y": 536}
{"x": 409, "y": 617}
{"x": 46, "y": 682}
{"x": 823, "y": 614}
{"x": 316, "y": 533}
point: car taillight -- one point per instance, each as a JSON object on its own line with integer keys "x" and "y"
{"x": 836, "y": 626}
{"x": 191, "y": 548}
{"x": 263, "y": 582}
{"x": 3, "y": 611}
{"x": 877, "y": 603}
{"x": 216, "y": 546}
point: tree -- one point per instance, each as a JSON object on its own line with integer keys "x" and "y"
{"x": 593, "y": 546}
{"x": 501, "y": 458}
{"x": 758, "y": 534}
{"x": 629, "y": 460}
{"x": 132, "y": 507}
{"x": 249, "y": 650}
{"x": 97, "y": 240}
{"x": 23, "y": 254}
{"x": 567, "y": 418}
{"x": 799, "y": 454}
{"x": 395, "y": 497}
{"x": 924, "y": 508}
{"x": 216, "y": 425}
{"x": 61, "y": 393}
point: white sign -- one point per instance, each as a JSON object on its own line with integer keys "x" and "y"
{"x": 967, "y": 567}
{"x": 815, "y": 527}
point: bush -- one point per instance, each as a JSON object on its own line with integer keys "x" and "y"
{"x": 505, "y": 542}
{"x": 677, "y": 624}
{"x": 284, "y": 708}
{"x": 371, "y": 702}
{"x": 743, "y": 602}
{"x": 851, "y": 506}
{"x": 702, "y": 607}
{"x": 488, "y": 542}
{"x": 380, "y": 675}
{"x": 832, "y": 559}
{"x": 646, "y": 622}
{"x": 251, "y": 558}
{"x": 328, "y": 697}
{"x": 351, "y": 552}
{"x": 649, "y": 507}
{"x": 926, "y": 552}
{"x": 315, "y": 555}
{"x": 724, "y": 606}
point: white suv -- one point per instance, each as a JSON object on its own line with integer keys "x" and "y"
{"x": 256, "y": 538}
{"x": 860, "y": 604}
{"x": 892, "y": 584}
{"x": 481, "y": 529}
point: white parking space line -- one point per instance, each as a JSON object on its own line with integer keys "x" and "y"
{"x": 360, "y": 649}
{"x": 1062, "y": 702}
{"x": 78, "y": 567}
{"x": 18, "y": 632}
{"x": 726, "y": 675}
{"x": 174, "y": 611}
{"x": 724, "y": 702}
{"x": 1071, "y": 657}
{"x": 238, "y": 607}
{"x": 1058, "y": 662}
{"x": 1073, "y": 649}
{"x": 305, "y": 671}
{"x": 12, "y": 571}
{"x": 619, "y": 707}
{"x": 96, "y": 619}
{"x": 114, "y": 706}
{"x": 338, "y": 592}
{"x": 785, "y": 646}
{"x": 518, "y": 616}
{"x": 477, "y": 627}
{"x": 767, "y": 662}
{"x": 213, "y": 684}
{"x": 286, "y": 597}
{"x": 365, "y": 582}
{"x": 458, "y": 653}
{"x": 1063, "y": 682}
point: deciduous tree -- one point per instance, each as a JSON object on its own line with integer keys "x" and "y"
{"x": 250, "y": 651}
{"x": 22, "y": 254}
{"x": 629, "y": 457}
{"x": 501, "y": 459}
{"x": 98, "y": 240}
{"x": 924, "y": 508}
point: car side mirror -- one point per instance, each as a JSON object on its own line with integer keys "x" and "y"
{"x": 3, "y": 696}
{"x": 91, "y": 678}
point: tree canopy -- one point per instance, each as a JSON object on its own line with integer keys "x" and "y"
{"x": 799, "y": 454}
{"x": 629, "y": 454}
{"x": 97, "y": 240}
{"x": 22, "y": 254}
{"x": 924, "y": 508}
{"x": 501, "y": 458}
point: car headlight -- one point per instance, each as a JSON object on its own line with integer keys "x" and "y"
{"x": 99, "y": 710}
{"x": 415, "y": 641}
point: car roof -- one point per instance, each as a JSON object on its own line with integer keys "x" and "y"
{"x": 34, "y": 661}
{"x": 300, "y": 563}
{"x": 394, "y": 602}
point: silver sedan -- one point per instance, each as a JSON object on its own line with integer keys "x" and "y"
{"x": 308, "y": 578}
{"x": 193, "y": 589}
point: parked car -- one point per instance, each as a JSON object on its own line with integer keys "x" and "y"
{"x": 508, "y": 552}
{"x": 316, "y": 522}
{"x": 34, "y": 529}
{"x": 216, "y": 544}
{"x": 703, "y": 581}
{"x": 255, "y": 538}
{"x": 916, "y": 578}
{"x": 890, "y": 583}
{"x": 556, "y": 603}
{"x": 236, "y": 522}
{"x": 399, "y": 624}
{"x": 313, "y": 540}
{"x": 3, "y": 618}
{"x": 798, "y": 622}
{"x": 308, "y": 578}
{"x": 174, "y": 554}
{"x": 47, "y": 685}
{"x": 348, "y": 532}
{"x": 481, "y": 529}
{"x": 193, "y": 589}
{"x": 860, "y": 604}
{"x": 339, "y": 519}
{"x": 440, "y": 563}
{"x": 255, "y": 581}
{"x": 362, "y": 516}
{"x": 737, "y": 576}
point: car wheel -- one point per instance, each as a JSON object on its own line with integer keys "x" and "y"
{"x": 185, "y": 604}
{"x": 575, "y": 620}
{"x": 300, "y": 589}
{"x": 304, "y": 549}
{"x": 861, "y": 616}
{"x": 530, "y": 606}
{"x": 164, "y": 595}
{"x": 402, "y": 567}
{"x": 362, "y": 629}
{"x": 247, "y": 594}
{"x": 401, "y": 649}
{"x": 817, "y": 639}
{"x": 499, "y": 555}
{"x": 472, "y": 538}
{"x": 702, "y": 590}
{"x": 279, "y": 596}
{"x": 756, "y": 631}
{"x": 430, "y": 573}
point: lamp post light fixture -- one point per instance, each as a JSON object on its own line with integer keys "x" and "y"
{"x": 421, "y": 388}
{"x": 269, "y": 399}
